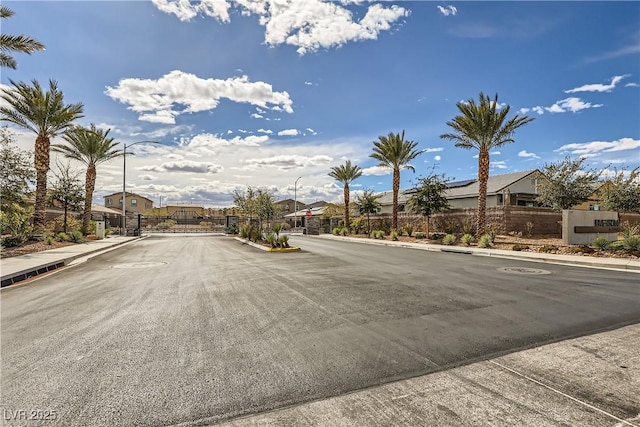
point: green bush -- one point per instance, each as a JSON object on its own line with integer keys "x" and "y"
{"x": 336, "y": 231}
{"x": 467, "y": 239}
{"x": 165, "y": 225}
{"x": 16, "y": 220}
{"x": 244, "y": 231}
{"x": 485, "y": 241}
{"x": 420, "y": 235}
{"x": 393, "y": 235}
{"x": 601, "y": 243}
{"x": 76, "y": 236}
{"x": 449, "y": 239}
{"x": 408, "y": 229}
{"x": 62, "y": 237}
{"x": 49, "y": 239}
{"x": 344, "y": 231}
{"x": 272, "y": 239}
{"x": 380, "y": 234}
{"x": 12, "y": 241}
{"x": 518, "y": 247}
{"x": 283, "y": 241}
{"x": 629, "y": 230}
{"x": 232, "y": 229}
{"x": 399, "y": 231}
{"x": 548, "y": 248}
{"x": 631, "y": 243}
{"x": 469, "y": 225}
{"x": 276, "y": 228}
{"x": 372, "y": 235}
{"x": 254, "y": 233}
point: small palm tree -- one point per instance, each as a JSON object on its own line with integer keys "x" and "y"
{"x": 90, "y": 146}
{"x": 9, "y": 43}
{"x": 45, "y": 114}
{"x": 346, "y": 174}
{"x": 368, "y": 203}
{"x": 394, "y": 152}
{"x": 482, "y": 127}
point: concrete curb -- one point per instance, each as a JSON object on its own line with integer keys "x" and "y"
{"x": 264, "y": 248}
{"x": 577, "y": 260}
{"x": 31, "y": 272}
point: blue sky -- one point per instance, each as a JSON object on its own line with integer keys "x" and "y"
{"x": 262, "y": 92}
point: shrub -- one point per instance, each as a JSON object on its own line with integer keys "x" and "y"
{"x": 393, "y": 235}
{"x": 244, "y": 231}
{"x": 601, "y": 243}
{"x": 272, "y": 240}
{"x": 164, "y": 225}
{"x": 518, "y": 247}
{"x": 276, "y": 228}
{"x": 491, "y": 230}
{"x": 62, "y": 237}
{"x": 48, "y": 239}
{"x": 469, "y": 225}
{"x": 344, "y": 231}
{"x": 372, "y": 235}
{"x": 399, "y": 231}
{"x": 232, "y": 229}
{"x": 16, "y": 220}
{"x": 548, "y": 248}
{"x": 628, "y": 230}
{"x": 437, "y": 236}
{"x": 76, "y": 236}
{"x": 107, "y": 231}
{"x": 254, "y": 233}
{"x": 336, "y": 231}
{"x": 615, "y": 245}
{"x": 631, "y": 243}
{"x": 485, "y": 241}
{"x": 449, "y": 239}
{"x": 12, "y": 241}
{"x": 378, "y": 234}
{"x": 451, "y": 226}
{"x": 528, "y": 229}
{"x": 408, "y": 229}
{"x": 582, "y": 249}
{"x": 467, "y": 239}
{"x": 420, "y": 235}
{"x": 283, "y": 241}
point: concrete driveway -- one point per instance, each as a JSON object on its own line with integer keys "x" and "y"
{"x": 177, "y": 329}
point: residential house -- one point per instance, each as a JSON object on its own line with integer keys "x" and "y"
{"x": 133, "y": 202}
{"x": 287, "y": 206}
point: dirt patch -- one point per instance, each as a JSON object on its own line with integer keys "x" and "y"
{"x": 545, "y": 244}
{"x": 32, "y": 246}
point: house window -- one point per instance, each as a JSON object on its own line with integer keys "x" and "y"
{"x": 378, "y": 210}
{"x": 286, "y": 208}
{"x": 109, "y": 202}
{"x": 134, "y": 202}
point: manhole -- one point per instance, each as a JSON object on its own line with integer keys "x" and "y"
{"x": 523, "y": 270}
{"x": 139, "y": 264}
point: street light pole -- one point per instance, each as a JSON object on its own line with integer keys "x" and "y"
{"x": 295, "y": 203}
{"x": 123, "y": 230}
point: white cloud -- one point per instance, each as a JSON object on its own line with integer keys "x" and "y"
{"x": 147, "y": 177}
{"x": 525, "y": 154}
{"x": 158, "y": 100}
{"x": 632, "y": 84}
{"x": 495, "y": 153}
{"x": 599, "y": 87}
{"x": 433, "y": 150}
{"x": 257, "y": 116}
{"x": 309, "y": 25}
{"x": 437, "y": 158}
{"x": 267, "y": 131}
{"x": 538, "y": 110}
{"x": 499, "y": 164}
{"x": 311, "y": 131}
{"x": 185, "y": 166}
{"x": 448, "y": 10}
{"x": 571, "y": 104}
{"x": 289, "y": 132}
{"x": 376, "y": 171}
{"x": 524, "y": 110}
{"x": 308, "y": 83}
{"x": 594, "y": 147}
{"x": 286, "y": 162}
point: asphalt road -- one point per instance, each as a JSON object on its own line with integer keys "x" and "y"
{"x": 188, "y": 330}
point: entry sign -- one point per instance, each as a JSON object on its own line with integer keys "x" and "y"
{"x": 308, "y": 212}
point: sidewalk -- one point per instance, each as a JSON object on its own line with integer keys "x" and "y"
{"x": 585, "y": 261}
{"x": 588, "y": 381}
{"x": 18, "y": 268}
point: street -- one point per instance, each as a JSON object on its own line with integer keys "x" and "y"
{"x": 176, "y": 329}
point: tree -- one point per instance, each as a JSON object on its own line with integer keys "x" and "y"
{"x": 16, "y": 171}
{"x": 45, "y": 114}
{"x": 566, "y": 184}
{"x": 346, "y": 174}
{"x": 67, "y": 189}
{"x": 428, "y": 196}
{"x": 90, "y": 146}
{"x": 394, "y": 152}
{"x": 266, "y": 207}
{"x": 20, "y": 44}
{"x": 483, "y": 127}
{"x": 622, "y": 191}
{"x": 368, "y": 203}
{"x": 246, "y": 202}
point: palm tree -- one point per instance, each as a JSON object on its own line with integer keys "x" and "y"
{"x": 482, "y": 126}
{"x": 394, "y": 152}
{"x": 46, "y": 115}
{"x": 9, "y": 43}
{"x": 346, "y": 174}
{"x": 368, "y": 203}
{"x": 90, "y": 146}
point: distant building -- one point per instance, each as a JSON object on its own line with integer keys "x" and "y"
{"x": 287, "y": 206}
{"x": 134, "y": 202}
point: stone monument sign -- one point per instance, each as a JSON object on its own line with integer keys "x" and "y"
{"x": 583, "y": 227}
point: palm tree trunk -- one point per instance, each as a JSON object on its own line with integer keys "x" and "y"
{"x": 41, "y": 163}
{"x": 396, "y": 190}
{"x": 89, "y": 187}
{"x": 346, "y": 205}
{"x": 483, "y": 177}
